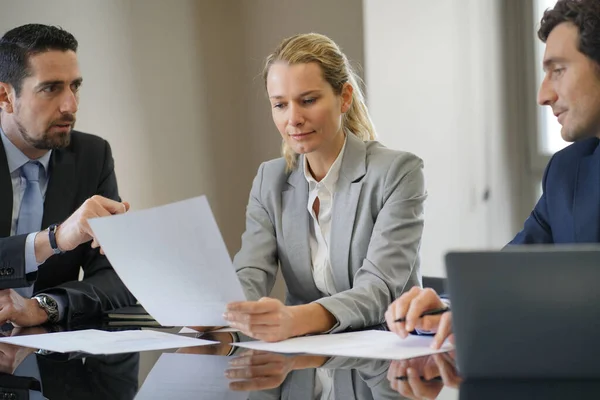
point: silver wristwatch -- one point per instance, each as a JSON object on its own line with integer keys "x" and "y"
{"x": 49, "y": 305}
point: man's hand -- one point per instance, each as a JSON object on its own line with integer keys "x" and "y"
{"x": 410, "y": 306}
{"x": 19, "y": 310}
{"x": 11, "y": 357}
{"x": 76, "y": 229}
{"x": 267, "y": 319}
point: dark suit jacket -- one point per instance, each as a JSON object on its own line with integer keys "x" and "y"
{"x": 569, "y": 209}
{"x": 95, "y": 377}
{"x": 99, "y": 377}
{"x": 83, "y": 169}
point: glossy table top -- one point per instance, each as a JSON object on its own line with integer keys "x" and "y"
{"x": 206, "y": 372}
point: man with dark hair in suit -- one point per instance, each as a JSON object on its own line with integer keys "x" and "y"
{"x": 52, "y": 180}
{"x": 569, "y": 209}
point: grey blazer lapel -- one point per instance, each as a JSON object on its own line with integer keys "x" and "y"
{"x": 345, "y": 205}
{"x": 296, "y": 231}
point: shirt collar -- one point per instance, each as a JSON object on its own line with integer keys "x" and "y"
{"x": 333, "y": 174}
{"x": 15, "y": 157}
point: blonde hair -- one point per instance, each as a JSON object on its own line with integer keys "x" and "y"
{"x": 313, "y": 47}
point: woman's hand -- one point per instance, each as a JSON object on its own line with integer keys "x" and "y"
{"x": 267, "y": 319}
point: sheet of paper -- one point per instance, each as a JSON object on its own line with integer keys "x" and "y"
{"x": 101, "y": 342}
{"x": 185, "y": 329}
{"x": 368, "y": 344}
{"x": 189, "y": 376}
{"x": 62, "y": 342}
{"x": 174, "y": 261}
{"x": 134, "y": 341}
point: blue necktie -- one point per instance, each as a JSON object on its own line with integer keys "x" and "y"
{"x": 32, "y": 208}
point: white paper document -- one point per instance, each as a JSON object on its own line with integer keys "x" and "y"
{"x": 185, "y": 329}
{"x": 189, "y": 376}
{"x": 101, "y": 342}
{"x": 173, "y": 260}
{"x": 368, "y": 344}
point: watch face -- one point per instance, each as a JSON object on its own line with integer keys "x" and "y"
{"x": 50, "y": 306}
{"x": 50, "y": 301}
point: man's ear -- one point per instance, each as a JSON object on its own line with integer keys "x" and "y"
{"x": 7, "y": 97}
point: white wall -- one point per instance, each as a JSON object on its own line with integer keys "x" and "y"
{"x": 434, "y": 85}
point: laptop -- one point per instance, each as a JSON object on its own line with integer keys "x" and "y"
{"x": 526, "y": 311}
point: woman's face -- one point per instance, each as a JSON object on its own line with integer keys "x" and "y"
{"x": 306, "y": 111}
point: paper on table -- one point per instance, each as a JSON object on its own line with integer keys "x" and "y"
{"x": 134, "y": 341}
{"x": 189, "y": 376}
{"x": 173, "y": 260}
{"x": 185, "y": 329}
{"x": 61, "y": 342}
{"x": 368, "y": 344}
{"x": 101, "y": 342}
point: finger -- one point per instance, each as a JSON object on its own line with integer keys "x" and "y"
{"x": 111, "y": 206}
{"x": 426, "y": 300}
{"x": 92, "y": 213}
{"x": 392, "y": 374}
{"x": 389, "y": 320}
{"x": 428, "y": 323}
{"x": 252, "y": 307}
{"x": 404, "y": 387}
{"x": 255, "y": 384}
{"x": 447, "y": 371}
{"x": 421, "y": 389}
{"x": 126, "y": 205}
{"x": 392, "y": 370}
{"x": 400, "y": 308}
{"x": 264, "y": 330}
{"x": 255, "y": 360}
{"x": 444, "y": 330}
{"x": 256, "y": 371}
{"x": 430, "y": 370}
{"x": 6, "y": 313}
{"x": 250, "y": 319}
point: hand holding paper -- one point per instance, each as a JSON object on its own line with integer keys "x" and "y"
{"x": 173, "y": 260}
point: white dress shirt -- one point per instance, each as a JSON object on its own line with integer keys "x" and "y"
{"x": 320, "y": 226}
{"x": 320, "y": 233}
{"x": 16, "y": 159}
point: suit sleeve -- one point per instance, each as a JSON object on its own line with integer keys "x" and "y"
{"x": 391, "y": 263}
{"x": 537, "y": 229}
{"x": 12, "y": 263}
{"x": 101, "y": 289}
{"x": 256, "y": 263}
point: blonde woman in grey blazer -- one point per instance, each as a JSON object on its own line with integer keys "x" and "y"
{"x": 339, "y": 213}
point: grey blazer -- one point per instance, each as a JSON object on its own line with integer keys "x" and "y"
{"x": 352, "y": 379}
{"x": 376, "y": 230}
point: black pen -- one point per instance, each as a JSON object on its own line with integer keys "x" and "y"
{"x": 435, "y": 311}
{"x": 434, "y": 379}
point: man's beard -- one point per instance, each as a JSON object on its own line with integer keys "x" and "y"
{"x": 48, "y": 141}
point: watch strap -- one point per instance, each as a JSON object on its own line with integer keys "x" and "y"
{"x": 52, "y": 238}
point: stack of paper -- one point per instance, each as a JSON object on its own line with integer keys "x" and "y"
{"x": 368, "y": 344}
{"x": 173, "y": 260}
{"x": 101, "y": 342}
